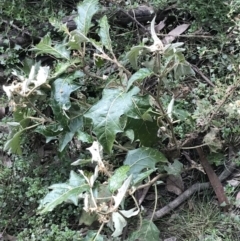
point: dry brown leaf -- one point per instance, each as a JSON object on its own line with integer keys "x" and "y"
{"x": 238, "y": 200}
{"x": 175, "y": 33}
{"x": 171, "y": 239}
{"x": 2, "y": 112}
{"x": 160, "y": 26}
{"x": 175, "y": 184}
{"x": 233, "y": 182}
{"x": 7, "y": 237}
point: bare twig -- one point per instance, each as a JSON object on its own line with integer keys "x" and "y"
{"x": 196, "y": 69}
{"x": 135, "y": 20}
{"x": 150, "y": 183}
{"x": 189, "y": 192}
{"x": 180, "y": 199}
{"x": 187, "y": 35}
{"x": 214, "y": 180}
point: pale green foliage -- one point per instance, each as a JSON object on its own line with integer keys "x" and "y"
{"x": 58, "y": 51}
{"x": 148, "y": 231}
{"x": 142, "y": 158}
{"x": 64, "y": 192}
{"x": 82, "y": 186}
{"x": 175, "y": 168}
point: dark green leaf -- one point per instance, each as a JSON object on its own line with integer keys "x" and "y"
{"x": 140, "y": 75}
{"x": 117, "y": 179}
{"x": 64, "y": 192}
{"x": 107, "y": 112}
{"x": 148, "y": 231}
{"x": 133, "y": 54}
{"x": 13, "y": 145}
{"x": 45, "y": 47}
{"x": 62, "y": 89}
{"x": 76, "y": 124}
{"x": 141, "y": 176}
{"x": 142, "y": 158}
{"x": 84, "y": 137}
{"x": 145, "y": 131}
{"x": 50, "y": 130}
{"x": 62, "y": 67}
{"x": 141, "y": 105}
{"x": 64, "y": 140}
{"x": 59, "y": 114}
{"x": 175, "y": 168}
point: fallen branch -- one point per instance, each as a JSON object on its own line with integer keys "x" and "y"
{"x": 213, "y": 178}
{"x": 180, "y": 199}
{"x": 196, "y": 69}
{"x": 189, "y": 192}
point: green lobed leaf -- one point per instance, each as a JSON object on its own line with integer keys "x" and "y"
{"x": 49, "y": 131}
{"x": 45, "y": 47}
{"x": 64, "y": 192}
{"x": 59, "y": 114}
{"x": 106, "y": 113}
{"x": 76, "y": 124}
{"x": 78, "y": 37}
{"x": 62, "y": 89}
{"x": 104, "y": 33}
{"x": 84, "y": 137}
{"x": 141, "y": 105}
{"x": 148, "y": 231}
{"x": 175, "y": 168}
{"x": 183, "y": 69}
{"x": 133, "y": 54}
{"x": 140, "y": 75}
{"x": 62, "y": 67}
{"x": 143, "y": 158}
{"x": 117, "y": 179}
{"x": 145, "y": 131}
{"x": 61, "y": 27}
{"x": 141, "y": 176}
{"x": 64, "y": 140}
{"x": 14, "y": 144}
{"x": 86, "y": 10}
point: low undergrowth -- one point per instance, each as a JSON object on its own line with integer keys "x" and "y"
{"x": 110, "y": 117}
